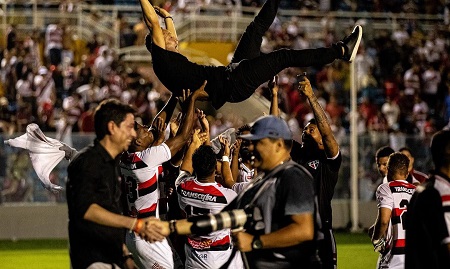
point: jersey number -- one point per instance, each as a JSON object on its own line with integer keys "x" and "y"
{"x": 131, "y": 188}
{"x": 192, "y": 210}
{"x": 403, "y": 204}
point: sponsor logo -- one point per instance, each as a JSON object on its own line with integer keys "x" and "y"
{"x": 201, "y": 244}
{"x": 199, "y": 196}
{"x": 314, "y": 164}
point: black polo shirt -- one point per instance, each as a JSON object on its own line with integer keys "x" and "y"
{"x": 93, "y": 178}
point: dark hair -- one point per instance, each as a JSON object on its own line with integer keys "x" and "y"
{"x": 405, "y": 149}
{"x": 383, "y": 152}
{"x": 312, "y": 121}
{"x": 204, "y": 161}
{"x": 109, "y": 110}
{"x": 397, "y": 163}
{"x": 440, "y": 148}
{"x": 243, "y": 128}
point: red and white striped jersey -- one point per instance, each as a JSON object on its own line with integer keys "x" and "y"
{"x": 197, "y": 198}
{"x": 141, "y": 172}
{"x": 395, "y": 195}
{"x": 443, "y": 187}
{"x": 419, "y": 176}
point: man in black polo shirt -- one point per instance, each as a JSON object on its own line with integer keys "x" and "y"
{"x": 320, "y": 154}
{"x": 96, "y": 225}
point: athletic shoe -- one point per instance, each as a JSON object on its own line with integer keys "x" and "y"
{"x": 351, "y": 44}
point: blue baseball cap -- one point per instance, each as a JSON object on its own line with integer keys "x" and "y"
{"x": 268, "y": 126}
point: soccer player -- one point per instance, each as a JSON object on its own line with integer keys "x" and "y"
{"x": 381, "y": 159}
{"x": 428, "y": 230}
{"x": 141, "y": 167}
{"x": 388, "y": 236}
{"x": 198, "y": 194}
{"x": 320, "y": 154}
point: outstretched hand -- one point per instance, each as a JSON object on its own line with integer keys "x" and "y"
{"x": 225, "y": 145}
{"x": 160, "y": 127}
{"x": 203, "y": 120}
{"x": 273, "y": 85}
{"x": 200, "y": 93}
{"x": 161, "y": 12}
{"x": 175, "y": 124}
{"x": 304, "y": 87}
{"x": 196, "y": 142}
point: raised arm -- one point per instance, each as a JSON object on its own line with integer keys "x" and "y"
{"x": 235, "y": 158}
{"x": 151, "y": 19}
{"x": 168, "y": 20}
{"x": 228, "y": 180}
{"x": 329, "y": 142}
{"x": 205, "y": 126}
{"x": 187, "y": 160}
{"x": 273, "y": 86}
{"x": 184, "y": 133}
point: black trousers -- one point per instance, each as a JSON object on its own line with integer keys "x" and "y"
{"x": 327, "y": 250}
{"x": 250, "y": 68}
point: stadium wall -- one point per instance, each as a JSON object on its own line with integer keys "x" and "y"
{"x": 46, "y": 220}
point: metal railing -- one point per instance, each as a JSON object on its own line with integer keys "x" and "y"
{"x": 196, "y": 23}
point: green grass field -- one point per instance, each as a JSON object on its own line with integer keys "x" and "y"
{"x": 354, "y": 252}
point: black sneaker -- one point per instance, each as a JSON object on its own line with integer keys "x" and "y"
{"x": 351, "y": 44}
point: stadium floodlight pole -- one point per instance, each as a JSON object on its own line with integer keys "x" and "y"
{"x": 354, "y": 209}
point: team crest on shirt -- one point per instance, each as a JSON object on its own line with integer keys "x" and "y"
{"x": 314, "y": 164}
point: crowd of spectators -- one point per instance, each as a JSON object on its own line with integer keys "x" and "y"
{"x": 402, "y": 78}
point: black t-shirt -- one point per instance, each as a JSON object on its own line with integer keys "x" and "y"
{"x": 325, "y": 172}
{"x": 176, "y": 72}
{"x": 93, "y": 178}
{"x": 426, "y": 228}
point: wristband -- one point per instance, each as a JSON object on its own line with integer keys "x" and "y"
{"x": 225, "y": 159}
{"x": 138, "y": 226}
{"x": 168, "y": 17}
{"x": 173, "y": 227}
{"x": 132, "y": 225}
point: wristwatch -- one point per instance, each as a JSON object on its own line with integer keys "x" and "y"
{"x": 256, "y": 243}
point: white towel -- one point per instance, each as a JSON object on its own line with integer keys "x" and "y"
{"x": 44, "y": 153}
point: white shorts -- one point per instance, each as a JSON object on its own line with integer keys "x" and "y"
{"x": 211, "y": 259}
{"x": 150, "y": 255}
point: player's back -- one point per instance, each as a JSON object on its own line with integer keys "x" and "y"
{"x": 402, "y": 192}
{"x": 395, "y": 195}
